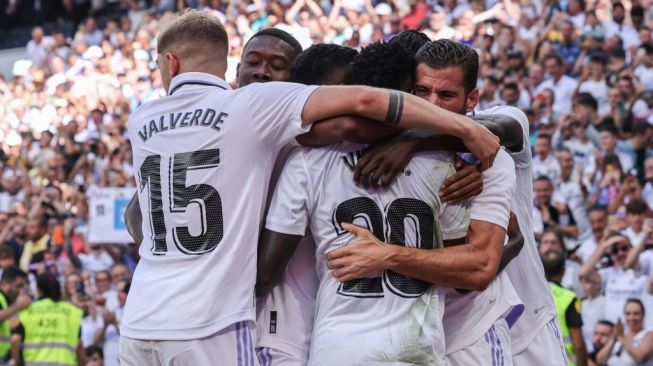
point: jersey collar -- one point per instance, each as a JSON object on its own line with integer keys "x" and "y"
{"x": 196, "y": 79}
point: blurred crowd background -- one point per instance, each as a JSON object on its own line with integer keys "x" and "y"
{"x": 581, "y": 70}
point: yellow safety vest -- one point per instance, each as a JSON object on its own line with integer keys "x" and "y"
{"x": 5, "y": 330}
{"x": 563, "y": 298}
{"x": 51, "y": 333}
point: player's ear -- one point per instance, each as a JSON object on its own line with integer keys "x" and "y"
{"x": 472, "y": 100}
{"x": 238, "y": 72}
{"x": 173, "y": 64}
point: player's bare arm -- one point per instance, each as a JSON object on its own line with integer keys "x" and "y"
{"x": 471, "y": 266}
{"x": 274, "y": 252}
{"x": 402, "y": 110}
{"x": 134, "y": 220}
{"x": 515, "y": 243}
{"x": 381, "y": 164}
{"x": 346, "y": 128}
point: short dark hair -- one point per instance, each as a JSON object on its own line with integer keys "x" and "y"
{"x": 282, "y": 35}
{"x": 588, "y": 100}
{"x": 49, "y": 286}
{"x": 544, "y": 136}
{"x": 554, "y": 56}
{"x": 10, "y": 274}
{"x": 617, "y": 4}
{"x": 597, "y": 208}
{"x": 412, "y": 40}
{"x": 383, "y": 65}
{"x": 7, "y": 252}
{"x": 558, "y": 234}
{"x": 543, "y": 178}
{"x": 512, "y": 86}
{"x": 636, "y": 11}
{"x": 128, "y": 285}
{"x": 553, "y": 261}
{"x": 445, "y": 53}
{"x": 611, "y": 129}
{"x": 314, "y": 64}
{"x": 91, "y": 350}
{"x": 605, "y": 322}
{"x": 636, "y": 206}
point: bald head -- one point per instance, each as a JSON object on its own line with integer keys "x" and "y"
{"x": 192, "y": 41}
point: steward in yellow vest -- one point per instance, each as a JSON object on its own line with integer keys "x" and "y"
{"x": 568, "y": 308}
{"x": 12, "y": 300}
{"x": 49, "y": 329}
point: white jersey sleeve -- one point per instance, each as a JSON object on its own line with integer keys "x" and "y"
{"x": 275, "y": 110}
{"x": 454, "y": 218}
{"x": 522, "y": 157}
{"x": 493, "y": 204}
{"x": 289, "y": 209}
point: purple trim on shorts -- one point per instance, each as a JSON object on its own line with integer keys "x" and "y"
{"x": 269, "y": 356}
{"x": 552, "y": 324}
{"x": 514, "y": 315}
{"x": 489, "y": 342}
{"x": 495, "y": 348}
{"x": 245, "y": 345}
{"x": 251, "y": 344}
{"x": 238, "y": 347}
{"x": 261, "y": 356}
{"x": 501, "y": 359}
{"x": 264, "y": 356}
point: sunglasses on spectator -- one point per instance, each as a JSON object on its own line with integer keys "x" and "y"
{"x": 620, "y": 248}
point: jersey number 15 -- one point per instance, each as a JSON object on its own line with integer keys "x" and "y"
{"x": 180, "y": 197}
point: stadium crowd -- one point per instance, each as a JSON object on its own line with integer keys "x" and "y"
{"x": 582, "y": 71}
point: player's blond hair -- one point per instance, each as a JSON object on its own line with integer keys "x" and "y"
{"x": 193, "y": 31}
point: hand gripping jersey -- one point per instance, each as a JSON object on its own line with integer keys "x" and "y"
{"x": 203, "y": 157}
{"x": 526, "y": 271}
{"x": 385, "y": 319}
{"x": 468, "y": 316}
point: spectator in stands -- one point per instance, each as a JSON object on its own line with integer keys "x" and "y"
{"x": 600, "y": 338}
{"x": 38, "y": 241}
{"x": 567, "y": 306}
{"x": 641, "y": 259}
{"x": 618, "y": 282}
{"x": 632, "y": 345}
{"x": 548, "y": 216}
{"x": 593, "y": 306}
{"x": 636, "y": 211}
{"x": 552, "y": 239}
{"x": 569, "y": 189}
{"x": 598, "y": 220}
{"x": 568, "y": 47}
{"x": 105, "y": 295}
{"x": 647, "y": 191}
{"x": 94, "y": 356}
{"x": 39, "y": 47}
{"x": 544, "y": 162}
{"x": 562, "y": 85}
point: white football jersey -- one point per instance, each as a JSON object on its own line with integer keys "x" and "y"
{"x": 388, "y": 318}
{"x": 203, "y": 157}
{"x": 284, "y": 316}
{"x": 526, "y": 271}
{"x": 468, "y": 316}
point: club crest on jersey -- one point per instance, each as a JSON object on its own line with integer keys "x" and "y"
{"x": 351, "y": 159}
{"x": 206, "y": 117}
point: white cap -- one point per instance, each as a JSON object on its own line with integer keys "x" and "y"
{"x": 383, "y": 9}
{"x": 93, "y": 52}
{"x": 21, "y": 67}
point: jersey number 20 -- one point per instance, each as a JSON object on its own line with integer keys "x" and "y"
{"x": 180, "y": 197}
{"x": 417, "y": 212}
